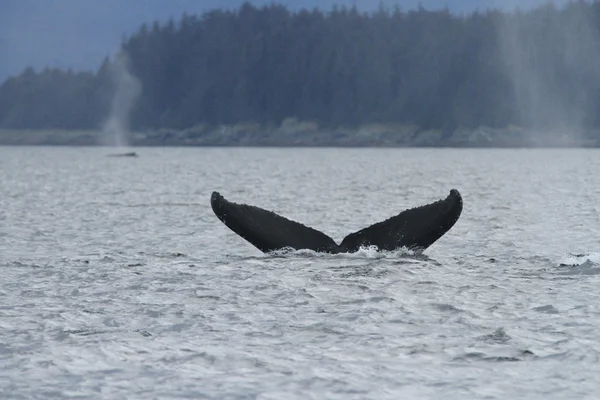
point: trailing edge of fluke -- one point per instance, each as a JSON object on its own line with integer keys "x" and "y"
{"x": 415, "y": 229}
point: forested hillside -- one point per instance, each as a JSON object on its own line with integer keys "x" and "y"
{"x": 432, "y": 69}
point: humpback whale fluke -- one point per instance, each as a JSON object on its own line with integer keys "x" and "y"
{"x": 416, "y": 228}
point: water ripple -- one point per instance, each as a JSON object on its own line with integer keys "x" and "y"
{"x": 120, "y": 283}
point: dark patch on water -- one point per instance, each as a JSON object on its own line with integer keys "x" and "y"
{"x": 135, "y": 265}
{"x": 447, "y": 308}
{"x": 548, "y": 309}
{"x": 366, "y": 272}
{"x": 426, "y": 283}
{"x": 85, "y": 332}
{"x": 498, "y": 336}
{"x": 521, "y": 355}
{"x": 208, "y": 297}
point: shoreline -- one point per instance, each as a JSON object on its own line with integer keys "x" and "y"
{"x": 309, "y": 136}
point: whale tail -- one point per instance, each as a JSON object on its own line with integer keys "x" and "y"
{"x": 416, "y": 228}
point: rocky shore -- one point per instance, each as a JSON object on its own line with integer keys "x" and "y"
{"x": 299, "y": 134}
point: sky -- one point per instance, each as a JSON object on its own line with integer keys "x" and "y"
{"x": 79, "y": 34}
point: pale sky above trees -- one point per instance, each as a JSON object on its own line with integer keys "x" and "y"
{"x": 78, "y": 34}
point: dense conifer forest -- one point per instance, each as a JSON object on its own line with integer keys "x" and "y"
{"x": 341, "y": 67}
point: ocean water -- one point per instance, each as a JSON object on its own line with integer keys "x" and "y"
{"x": 119, "y": 282}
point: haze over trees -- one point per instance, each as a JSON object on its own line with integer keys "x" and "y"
{"x": 433, "y": 69}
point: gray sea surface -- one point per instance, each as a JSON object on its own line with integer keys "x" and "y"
{"x": 117, "y": 280}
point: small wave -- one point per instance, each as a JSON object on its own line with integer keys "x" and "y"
{"x": 584, "y": 269}
{"x": 361, "y": 271}
{"x": 580, "y": 259}
{"x": 511, "y": 356}
{"x": 85, "y": 332}
{"x": 498, "y": 336}
{"x": 91, "y": 332}
{"x": 580, "y": 264}
{"x": 146, "y": 205}
{"x": 447, "y": 308}
{"x": 548, "y": 309}
{"x": 370, "y": 252}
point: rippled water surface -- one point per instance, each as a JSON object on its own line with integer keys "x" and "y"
{"x": 119, "y": 282}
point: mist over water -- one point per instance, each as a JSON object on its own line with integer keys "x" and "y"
{"x": 127, "y": 90}
{"x": 552, "y": 57}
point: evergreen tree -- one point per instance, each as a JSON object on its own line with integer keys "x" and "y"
{"x": 539, "y": 68}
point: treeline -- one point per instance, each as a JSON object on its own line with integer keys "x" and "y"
{"x": 337, "y": 68}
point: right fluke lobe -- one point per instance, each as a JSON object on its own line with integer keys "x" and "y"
{"x": 415, "y": 229}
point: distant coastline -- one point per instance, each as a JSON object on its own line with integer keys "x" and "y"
{"x": 304, "y": 134}
{"x": 387, "y": 78}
